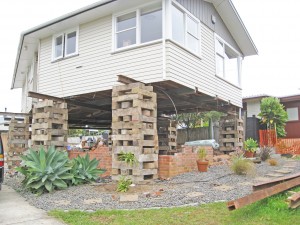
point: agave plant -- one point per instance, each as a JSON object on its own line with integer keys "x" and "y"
{"x": 45, "y": 171}
{"x": 85, "y": 170}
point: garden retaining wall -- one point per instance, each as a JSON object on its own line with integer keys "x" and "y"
{"x": 168, "y": 165}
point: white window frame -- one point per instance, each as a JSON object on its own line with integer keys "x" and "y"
{"x": 64, "y": 44}
{"x": 137, "y": 11}
{"x": 195, "y": 19}
{"x": 239, "y": 60}
{"x": 292, "y": 119}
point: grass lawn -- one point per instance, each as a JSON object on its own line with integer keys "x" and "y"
{"x": 271, "y": 211}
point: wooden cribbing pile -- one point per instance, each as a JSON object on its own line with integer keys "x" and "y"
{"x": 134, "y": 129}
{"x": 50, "y": 124}
{"x": 266, "y": 189}
{"x": 18, "y": 136}
{"x": 167, "y": 136}
{"x": 231, "y": 133}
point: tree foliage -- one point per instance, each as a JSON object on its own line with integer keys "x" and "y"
{"x": 273, "y": 114}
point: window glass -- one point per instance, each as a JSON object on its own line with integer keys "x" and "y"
{"x": 219, "y": 47}
{"x": 192, "y": 43}
{"x": 58, "y": 47}
{"x": 192, "y": 27}
{"x": 126, "y": 38}
{"x": 151, "y": 26}
{"x": 71, "y": 43}
{"x": 231, "y": 66}
{"x": 178, "y": 25}
{"x": 126, "y": 22}
{"x": 220, "y": 65}
{"x": 292, "y": 114}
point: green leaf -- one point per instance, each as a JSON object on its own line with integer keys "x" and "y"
{"x": 60, "y": 183}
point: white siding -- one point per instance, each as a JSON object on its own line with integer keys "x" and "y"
{"x": 189, "y": 70}
{"x": 95, "y": 68}
{"x": 253, "y": 108}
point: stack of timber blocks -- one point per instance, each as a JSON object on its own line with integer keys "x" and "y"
{"x": 18, "y": 136}
{"x": 50, "y": 124}
{"x": 134, "y": 130}
{"x": 167, "y": 136}
{"x": 231, "y": 133}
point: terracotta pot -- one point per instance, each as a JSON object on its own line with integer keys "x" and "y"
{"x": 202, "y": 165}
{"x": 249, "y": 154}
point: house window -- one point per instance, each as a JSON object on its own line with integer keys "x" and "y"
{"x": 185, "y": 29}
{"x": 227, "y": 62}
{"x": 292, "y": 114}
{"x": 65, "y": 44}
{"x": 141, "y": 26}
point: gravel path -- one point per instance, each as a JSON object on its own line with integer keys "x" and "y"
{"x": 218, "y": 184}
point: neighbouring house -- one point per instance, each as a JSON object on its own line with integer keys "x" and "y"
{"x": 189, "y": 51}
{"x": 251, "y": 107}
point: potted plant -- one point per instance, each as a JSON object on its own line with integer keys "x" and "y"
{"x": 201, "y": 162}
{"x": 250, "y": 146}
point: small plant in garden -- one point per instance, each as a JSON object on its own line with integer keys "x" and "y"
{"x": 45, "y": 171}
{"x": 250, "y": 145}
{"x": 123, "y": 184}
{"x": 202, "y": 154}
{"x": 242, "y": 166}
{"x": 128, "y": 157}
{"x": 85, "y": 170}
{"x": 265, "y": 153}
{"x": 272, "y": 162}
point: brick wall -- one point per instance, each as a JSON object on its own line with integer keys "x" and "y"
{"x": 103, "y": 154}
{"x": 168, "y": 165}
{"x": 183, "y": 162}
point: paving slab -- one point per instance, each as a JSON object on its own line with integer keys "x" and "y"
{"x": 274, "y": 175}
{"x": 129, "y": 198}
{"x": 283, "y": 171}
{"x": 245, "y": 184}
{"x": 224, "y": 188}
{"x": 289, "y": 166}
{"x": 194, "y": 194}
{"x": 63, "y": 202}
{"x": 92, "y": 201}
{"x": 262, "y": 179}
{"x": 15, "y": 210}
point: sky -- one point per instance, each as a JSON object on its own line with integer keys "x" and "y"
{"x": 272, "y": 24}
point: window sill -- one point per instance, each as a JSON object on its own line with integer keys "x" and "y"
{"x": 67, "y": 57}
{"x": 228, "y": 82}
{"x": 185, "y": 49}
{"x": 124, "y": 49}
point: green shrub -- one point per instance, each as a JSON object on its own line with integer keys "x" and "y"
{"x": 85, "y": 170}
{"x": 250, "y": 145}
{"x": 128, "y": 157}
{"x": 45, "y": 171}
{"x": 123, "y": 184}
{"x": 242, "y": 166}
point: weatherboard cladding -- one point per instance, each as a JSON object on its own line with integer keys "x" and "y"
{"x": 203, "y": 11}
{"x": 187, "y": 69}
{"x": 96, "y": 68}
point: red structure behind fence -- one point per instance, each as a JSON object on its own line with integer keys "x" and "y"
{"x": 267, "y": 138}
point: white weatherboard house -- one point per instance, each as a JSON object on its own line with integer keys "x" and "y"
{"x": 190, "y": 50}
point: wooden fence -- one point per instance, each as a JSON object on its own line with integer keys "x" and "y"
{"x": 201, "y": 133}
{"x": 288, "y": 146}
{"x": 267, "y": 138}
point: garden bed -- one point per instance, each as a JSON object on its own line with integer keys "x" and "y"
{"x": 218, "y": 184}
